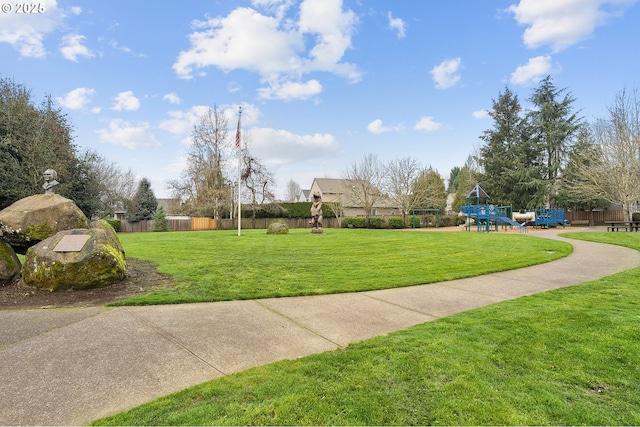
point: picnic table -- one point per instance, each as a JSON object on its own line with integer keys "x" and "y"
{"x": 623, "y": 225}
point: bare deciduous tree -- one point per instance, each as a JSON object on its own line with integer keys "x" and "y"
{"x": 610, "y": 169}
{"x": 293, "y": 190}
{"x": 203, "y": 186}
{"x": 256, "y": 178}
{"x": 365, "y": 180}
{"x": 429, "y": 190}
{"x": 399, "y": 183}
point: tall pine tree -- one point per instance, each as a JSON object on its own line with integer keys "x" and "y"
{"x": 144, "y": 203}
{"x": 554, "y": 127}
{"x": 510, "y": 175}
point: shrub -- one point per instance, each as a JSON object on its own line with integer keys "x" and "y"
{"x": 116, "y": 224}
{"x": 448, "y": 220}
{"x": 414, "y": 222}
{"x": 376, "y": 222}
{"x": 396, "y": 222}
{"x": 353, "y": 222}
{"x": 635, "y": 217}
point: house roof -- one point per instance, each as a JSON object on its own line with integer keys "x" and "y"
{"x": 331, "y": 185}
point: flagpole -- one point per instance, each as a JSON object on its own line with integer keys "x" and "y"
{"x": 239, "y": 148}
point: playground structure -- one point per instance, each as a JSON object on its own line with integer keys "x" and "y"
{"x": 487, "y": 215}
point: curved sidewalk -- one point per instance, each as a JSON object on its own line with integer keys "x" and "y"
{"x": 71, "y": 366}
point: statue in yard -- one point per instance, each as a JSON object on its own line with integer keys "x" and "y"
{"x": 50, "y": 183}
{"x": 316, "y": 213}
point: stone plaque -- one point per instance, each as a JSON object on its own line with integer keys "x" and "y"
{"x": 71, "y": 243}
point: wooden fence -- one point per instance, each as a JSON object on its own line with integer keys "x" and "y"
{"x": 191, "y": 224}
{"x": 593, "y": 217}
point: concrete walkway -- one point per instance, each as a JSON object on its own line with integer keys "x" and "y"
{"x": 71, "y": 366}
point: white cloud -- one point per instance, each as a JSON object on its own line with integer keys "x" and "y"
{"x": 377, "y": 127}
{"x": 398, "y": 25}
{"x": 126, "y": 101}
{"x": 178, "y": 164}
{"x": 182, "y": 122}
{"x": 273, "y": 45}
{"x": 72, "y": 47}
{"x": 26, "y": 31}
{"x": 563, "y": 23}
{"x": 446, "y": 74}
{"x": 172, "y": 97}
{"x": 536, "y": 69}
{"x": 480, "y": 114}
{"x": 280, "y": 147}
{"x": 77, "y": 98}
{"x": 427, "y": 124}
{"x": 291, "y": 90}
{"x": 127, "y": 135}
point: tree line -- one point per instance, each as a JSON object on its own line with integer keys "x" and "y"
{"x": 35, "y": 137}
{"x": 545, "y": 155}
{"x": 549, "y": 156}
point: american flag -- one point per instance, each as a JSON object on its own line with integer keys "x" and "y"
{"x": 238, "y": 131}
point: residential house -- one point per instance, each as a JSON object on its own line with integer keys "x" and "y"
{"x": 339, "y": 191}
{"x": 303, "y": 196}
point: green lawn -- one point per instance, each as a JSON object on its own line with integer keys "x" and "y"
{"x": 219, "y": 265}
{"x": 565, "y": 357}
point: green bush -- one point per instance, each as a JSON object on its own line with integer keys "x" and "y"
{"x": 414, "y": 222}
{"x": 116, "y": 224}
{"x": 635, "y": 217}
{"x": 354, "y": 222}
{"x": 448, "y": 220}
{"x": 376, "y": 222}
{"x": 396, "y": 222}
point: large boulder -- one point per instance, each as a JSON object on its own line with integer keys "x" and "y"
{"x": 277, "y": 228}
{"x": 9, "y": 264}
{"x": 97, "y": 264}
{"x": 35, "y": 218}
{"x": 112, "y": 236}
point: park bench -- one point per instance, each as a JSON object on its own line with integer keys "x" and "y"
{"x": 623, "y": 226}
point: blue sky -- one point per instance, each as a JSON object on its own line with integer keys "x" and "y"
{"x": 321, "y": 82}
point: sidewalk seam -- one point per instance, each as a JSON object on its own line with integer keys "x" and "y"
{"x": 173, "y": 339}
{"x": 300, "y": 325}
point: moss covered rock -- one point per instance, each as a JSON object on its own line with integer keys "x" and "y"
{"x": 35, "y": 218}
{"x": 98, "y": 264}
{"x": 277, "y": 228}
{"x": 9, "y": 264}
{"x": 112, "y": 236}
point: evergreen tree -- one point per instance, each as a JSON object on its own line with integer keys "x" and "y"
{"x": 144, "y": 203}
{"x": 454, "y": 179}
{"x": 160, "y": 220}
{"x": 467, "y": 179}
{"x": 32, "y": 139}
{"x": 554, "y": 127}
{"x": 84, "y": 186}
{"x": 497, "y": 154}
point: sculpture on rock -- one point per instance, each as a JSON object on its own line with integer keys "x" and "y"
{"x": 316, "y": 213}
{"x": 50, "y": 183}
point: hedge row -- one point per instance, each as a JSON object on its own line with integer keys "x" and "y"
{"x": 398, "y": 222}
{"x": 286, "y": 210}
